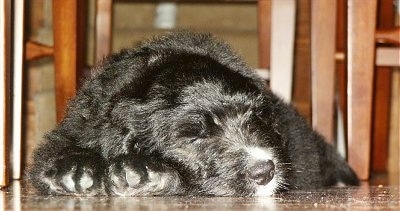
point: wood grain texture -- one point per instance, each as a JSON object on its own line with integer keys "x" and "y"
{"x": 360, "y": 65}
{"x": 323, "y": 24}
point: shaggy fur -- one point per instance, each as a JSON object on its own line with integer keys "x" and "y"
{"x": 181, "y": 114}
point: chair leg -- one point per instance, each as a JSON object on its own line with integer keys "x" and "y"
{"x": 5, "y": 66}
{"x": 264, "y": 28}
{"x": 323, "y": 24}
{"x": 398, "y": 137}
{"x": 283, "y": 14}
{"x": 18, "y": 69}
{"x": 381, "y": 119}
{"x": 361, "y": 30}
{"x": 69, "y": 49}
{"x": 382, "y": 91}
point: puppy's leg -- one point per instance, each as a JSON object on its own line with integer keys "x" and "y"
{"x": 61, "y": 168}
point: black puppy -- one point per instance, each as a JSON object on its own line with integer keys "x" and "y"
{"x": 182, "y": 115}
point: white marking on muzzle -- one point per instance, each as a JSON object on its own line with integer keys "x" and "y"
{"x": 263, "y": 154}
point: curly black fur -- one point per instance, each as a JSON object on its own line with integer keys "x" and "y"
{"x": 181, "y": 114}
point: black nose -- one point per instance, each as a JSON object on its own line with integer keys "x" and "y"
{"x": 262, "y": 172}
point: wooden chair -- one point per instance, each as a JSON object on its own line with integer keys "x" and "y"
{"x": 11, "y": 26}
{"x": 360, "y": 66}
{"x": 68, "y": 51}
{"x": 362, "y": 38}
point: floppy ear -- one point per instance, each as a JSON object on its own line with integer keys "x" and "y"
{"x": 116, "y": 72}
{"x": 149, "y": 56}
{"x": 122, "y": 75}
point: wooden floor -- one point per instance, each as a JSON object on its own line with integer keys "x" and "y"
{"x": 364, "y": 197}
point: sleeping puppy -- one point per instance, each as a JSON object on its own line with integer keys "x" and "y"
{"x": 181, "y": 114}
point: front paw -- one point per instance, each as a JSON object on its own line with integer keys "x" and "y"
{"x": 135, "y": 176}
{"x": 124, "y": 174}
{"x": 74, "y": 175}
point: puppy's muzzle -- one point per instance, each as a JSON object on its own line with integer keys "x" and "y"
{"x": 262, "y": 172}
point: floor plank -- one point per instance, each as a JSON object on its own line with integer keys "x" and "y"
{"x": 350, "y": 198}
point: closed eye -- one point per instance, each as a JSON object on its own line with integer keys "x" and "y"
{"x": 198, "y": 127}
{"x": 190, "y": 129}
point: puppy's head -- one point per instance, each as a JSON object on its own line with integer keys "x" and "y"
{"x": 217, "y": 129}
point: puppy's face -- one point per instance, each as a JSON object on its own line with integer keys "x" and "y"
{"x": 222, "y": 141}
{"x": 227, "y": 142}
